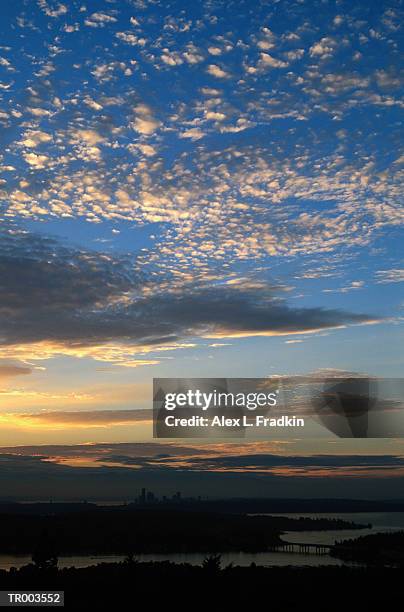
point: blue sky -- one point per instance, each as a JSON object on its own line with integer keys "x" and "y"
{"x": 194, "y": 189}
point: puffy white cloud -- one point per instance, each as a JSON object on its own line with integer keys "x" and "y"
{"x": 216, "y": 71}
{"x": 36, "y": 161}
{"x": 267, "y": 60}
{"x": 33, "y": 138}
{"x": 147, "y": 149}
{"x": 215, "y": 116}
{"x": 171, "y": 59}
{"x": 193, "y": 134}
{"x": 145, "y": 122}
{"x": 324, "y": 48}
{"x": 265, "y": 45}
{"x": 215, "y": 50}
{"x": 91, "y": 137}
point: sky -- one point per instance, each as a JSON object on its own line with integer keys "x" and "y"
{"x": 194, "y": 189}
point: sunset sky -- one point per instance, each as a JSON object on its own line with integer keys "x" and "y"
{"x": 207, "y": 188}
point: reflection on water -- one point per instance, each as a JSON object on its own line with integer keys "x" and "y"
{"x": 383, "y": 521}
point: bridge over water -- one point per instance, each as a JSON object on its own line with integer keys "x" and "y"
{"x": 302, "y": 548}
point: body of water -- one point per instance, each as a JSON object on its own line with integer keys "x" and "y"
{"x": 381, "y": 521}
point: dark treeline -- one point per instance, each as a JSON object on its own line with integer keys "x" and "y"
{"x": 375, "y": 549}
{"x": 122, "y": 586}
{"x": 304, "y": 523}
{"x": 124, "y": 530}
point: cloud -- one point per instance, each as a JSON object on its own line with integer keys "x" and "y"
{"x": 89, "y": 471}
{"x": 145, "y": 125}
{"x": 215, "y": 116}
{"x": 352, "y": 286}
{"x": 81, "y": 303}
{"x": 242, "y": 174}
{"x": 99, "y": 450}
{"x": 390, "y": 276}
{"x": 89, "y": 136}
{"x": 193, "y": 134}
{"x": 231, "y": 312}
{"x": 131, "y": 39}
{"x": 59, "y": 280}
{"x": 36, "y": 161}
{"x": 258, "y": 462}
{"x": 251, "y": 456}
{"x": 264, "y": 63}
{"x": 87, "y": 418}
{"x": 33, "y": 138}
{"x": 324, "y": 48}
{"x": 171, "y": 58}
{"x": 9, "y": 370}
{"x": 145, "y": 122}
{"x": 5, "y": 63}
{"x": 99, "y": 20}
{"x": 346, "y": 192}
{"x": 267, "y": 60}
{"x": 147, "y": 150}
{"x": 57, "y": 10}
{"x": 216, "y": 71}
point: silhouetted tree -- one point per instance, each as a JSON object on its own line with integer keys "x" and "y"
{"x": 130, "y": 559}
{"x": 45, "y": 555}
{"x": 212, "y": 564}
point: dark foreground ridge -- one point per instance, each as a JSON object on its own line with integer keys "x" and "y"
{"x": 120, "y": 586}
